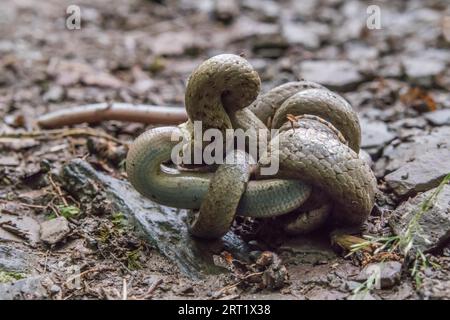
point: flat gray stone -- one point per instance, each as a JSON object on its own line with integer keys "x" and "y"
{"x": 338, "y": 75}
{"x": 389, "y": 273}
{"x": 311, "y": 250}
{"x": 55, "y": 230}
{"x": 422, "y": 70}
{"x": 439, "y": 117}
{"x": 434, "y": 224}
{"x": 421, "y": 174}
{"x": 13, "y": 259}
{"x": 307, "y": 35}
{"x": 375, "y": 135}
{"x": 18, "y": 228}
{"x": 161, "y": 226}
{"x": 399, "y": 154}
{"x": 25, "y": 289}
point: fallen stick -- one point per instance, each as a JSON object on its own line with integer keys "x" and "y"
{"x": 98, "y": 112}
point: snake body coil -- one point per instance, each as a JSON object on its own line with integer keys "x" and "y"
{"x": 319, "y": 139}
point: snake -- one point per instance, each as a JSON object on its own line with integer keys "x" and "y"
{"x": 321, "y": 173}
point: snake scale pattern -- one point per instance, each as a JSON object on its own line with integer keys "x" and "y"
{"x": 321, "y": 177}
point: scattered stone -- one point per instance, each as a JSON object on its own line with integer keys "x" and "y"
{"x": 54, "y": 289}
{"x": 399, "y": 154}
{"x": 69, "y": 73}
{"x": 390, "y": 67}
{"x": 409, "y": 123}
{"x": 55, "y": 230}
{"x": 338, "y": 75}
{"x": 435, "y": 289}
{"x": 319, "y": 293}
{"x": 17, "y": 145}
{"x": 246, "y": 28}
{"x": 434, "y": 225}
{"x": 403, "y": 291}
{"x": 310, "y": 250}
{"x": 269, "y": 45}
{"x": 365, "y": 295}
{"x": 307, "y": 35}
{"x": 269, "y": 11}
{"x": 10, "y": 161}
{"x": 18, "y": 228}
{"x": 163, "y": 227}
{"x": 6, "y": 236}
{"x": 389, "y": 273}
{"x": 423, "y": 70}
{"x": 375, "y": 135}
{"x": 54, "y": 94}
{"x": 173, "y": 43}
{"x": 226, "y": 11}
{"x": 32, "y": 288}
{"x": 439, "y": 117}
{"x": 13, "y": 259}
{"x": 423, "y": 173}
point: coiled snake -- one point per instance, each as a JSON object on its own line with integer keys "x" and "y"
{"x": 320, "y": 176}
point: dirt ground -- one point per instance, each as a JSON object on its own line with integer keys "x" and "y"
{"x": 139, "y": 51}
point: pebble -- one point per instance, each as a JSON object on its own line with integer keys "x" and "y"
{"x": 434, "y": 225}
{"x": 421, "y": 174}
{"x": 422, "y": 70}
{"x": 389, "y": 273}
{"x": 31, "y": 288}
{"x": 375, "y": 135}
{"x": 307, "y": 35}
{"x": 338, "y": 75}
{"x": 55, "y": 230}
{"x": 439, "y": 117}
{"x": 13, "y": 259}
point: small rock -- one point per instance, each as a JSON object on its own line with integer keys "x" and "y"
{"x": 20, "y": 227}
{"x": 226, "y": 11}
{"x": 439, "y": 117}
{"x": 417, "y": 144}
{"x": 55, "y": 230}
{"x": 10, "y": 161}
{"x": 363, "y": 296}
{"x": 435, "y": 289}
{"x": 421, "y": 174}
{"x": 25, "y": 289}
{"x": 269, "y": 46}
{"x": 173, "y": 43}
{"x": 68, "y": 73}
{"x": 307, "y": 250}
{"x": 352, "y": 285}
{"x": 408, "y": 123}
{"x": 338, "y": 75}
{"x": 307, "y": 35}
{"x": 375, "y": 135}
{"x": 318, "y": 293}
{"x": 422, "y": 70}
{"x": 54, "y": 289}
{"x": 434, "y": 225}
{"x": 403, "y": 291}
{"x": 246, "y": 28}
{"x": 13, "y": 259}
{"x": 54, "y": 94}
{"x": 389, "y": 273}
{"x": 268, "y": 11}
